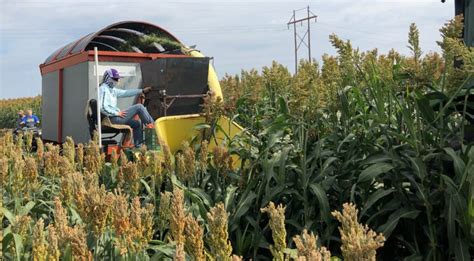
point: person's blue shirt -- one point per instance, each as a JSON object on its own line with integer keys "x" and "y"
{"x": 108, "y": 98}
{"x": 30, "y": 121}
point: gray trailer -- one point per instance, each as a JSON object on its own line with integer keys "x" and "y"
{"x": 69, "y": 75}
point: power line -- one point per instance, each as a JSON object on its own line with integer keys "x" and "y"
{"x": 187, "y": 28}
{"x": 165, "y": 2}
{"x": 367, "y": 35}
{"x": 226, "y": 32}
{"x": 23, "y": 33}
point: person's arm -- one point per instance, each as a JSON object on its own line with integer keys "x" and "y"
{"x": 127, "y": 93}
{"x": 106, "y": 106}
{"x": 37, "y": 121}
{"x": 23, "y": 121}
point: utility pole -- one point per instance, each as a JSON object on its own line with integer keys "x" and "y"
{"x": 306, "y": 39}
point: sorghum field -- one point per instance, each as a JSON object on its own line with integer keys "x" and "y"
{"x": 362, "y": 156}
{"x": 9, "y": 109}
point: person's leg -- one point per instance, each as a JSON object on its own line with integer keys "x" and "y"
{"x": 137, "y": 132}
{"x": 141, "y": 111}
{"x": 127, "y": 139}
{"x": 134, "y": 124}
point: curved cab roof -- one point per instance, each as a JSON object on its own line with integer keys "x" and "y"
{"x": 114, "y": 38}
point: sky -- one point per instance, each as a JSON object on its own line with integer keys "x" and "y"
{"x": 239, "y": 35}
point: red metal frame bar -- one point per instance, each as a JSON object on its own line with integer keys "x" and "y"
{"x": 104, "y": 56}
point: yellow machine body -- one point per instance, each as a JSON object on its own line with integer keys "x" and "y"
{"x": 173, "y": 130}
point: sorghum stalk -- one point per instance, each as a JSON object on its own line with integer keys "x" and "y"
{"x": 277, "y": 224}
{"x": 221, "y": 249}
{"x": 358, "y": 241}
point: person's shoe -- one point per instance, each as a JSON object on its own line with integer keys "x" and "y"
{"x": 150, "y": 126}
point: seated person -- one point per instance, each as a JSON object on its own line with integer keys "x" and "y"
{"x": 108, "y": 100}
{"x": 29, "y": 120}
{"x": 21, "y": 114}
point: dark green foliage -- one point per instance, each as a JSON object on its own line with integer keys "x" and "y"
{"x": 392, "y": 142}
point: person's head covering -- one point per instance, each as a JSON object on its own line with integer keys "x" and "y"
{"x": 110, "y": 76}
